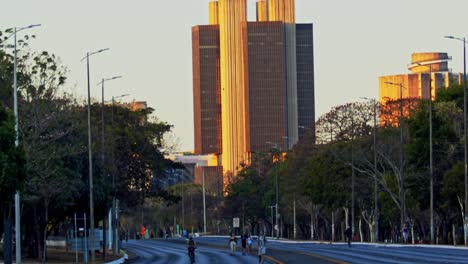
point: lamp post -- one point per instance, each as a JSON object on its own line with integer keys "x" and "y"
{"x": 276, "y": 146}
{"x": 353, "y": 175}
{"x": 431, "y": 168}
{"x": 102, "y": 150}
{"x": 465, "y": 133}
{"x": 204, "y": 201}
{"x": 114, "y": 214}
{"x": 90, "y": 157}
{"x": 402, "y": 183}
{"x": 102, "y": 115}
{"x": 376, "y": 186}
{"x": 15, "y": 107}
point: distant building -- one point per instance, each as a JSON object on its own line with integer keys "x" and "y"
{"x": 253, "y": 82}
{"x": 138, "y": 105}
{"x": 429, "y": 72}
{"x": 195, "y": 167}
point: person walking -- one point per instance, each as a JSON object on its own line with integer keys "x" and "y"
{"x": 249, "y": 244}
{"x": 405, "y": 232}
{"x": 244, "y": 243}
{"x": 349, "y": 234}
{"x": 232, "y": 244}
{"x": 261, "y": 248}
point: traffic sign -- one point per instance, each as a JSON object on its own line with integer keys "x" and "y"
{"x": 236, "y": 222}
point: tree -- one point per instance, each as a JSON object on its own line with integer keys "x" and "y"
{"x": 12, "y": 174}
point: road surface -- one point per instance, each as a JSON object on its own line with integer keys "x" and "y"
{"x": 214, "y": 250}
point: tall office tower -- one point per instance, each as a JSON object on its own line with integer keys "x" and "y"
{"x": 206, "y": 92}
{"x": 214, "y": 12}
{"x": 262, "y": 10}
{"x": 266, "y": 75}
{"x": 265, "y": 81}
{"x": 284, "y": 10}
{"x": 232, "y": 16}
{"x": 305, "y": 79}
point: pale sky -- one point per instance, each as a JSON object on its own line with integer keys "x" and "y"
{"x": 356, "y": 41}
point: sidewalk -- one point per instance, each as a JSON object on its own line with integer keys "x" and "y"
{"x": 63, "y": 257}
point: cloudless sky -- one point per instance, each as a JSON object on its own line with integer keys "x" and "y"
{"x": 355, "y": 42}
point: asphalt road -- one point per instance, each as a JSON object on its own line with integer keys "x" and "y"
{"x": 175, "y": 252}
{"x": 214, "y": 250}
{"x": 211, "y": 251}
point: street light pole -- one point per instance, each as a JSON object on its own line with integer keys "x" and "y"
{"x": 353, "y": 176}
{"x": 431, "y": 168}
{"x": 276, "y": 205}
{"x": 103, "y": 152}
{"x": 402, "y": 177}
{"x": 276, "y": 146}
{"x": 102, "y": 118}
{"x": 15, "y": 107}
{"x": 204, "y": 201}
{"x": 114, "y": 215}
{"x": 465, "y": 133}
{"x": 376, "y": 186}
{"x": 90, "y": 162}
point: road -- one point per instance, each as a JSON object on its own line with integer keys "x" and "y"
{"x": 175, "y": 252}
{"x": 214, "y": 250}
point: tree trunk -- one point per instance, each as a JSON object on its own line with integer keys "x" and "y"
{"x": 333, "y": 227}
{"x": 371, "y": 232}
{"x": 312, "y": 226}
{"x": 454, "y": 235}
{"x": 38, "y": 234}
{"x": 46, "y": 213}
{"x": 360, "y": 230}
{"x": 7, "y": 245}
{"x": 104, "y": 238}
{"x": 464, "y": 221}
{"x": 342, "y": 231}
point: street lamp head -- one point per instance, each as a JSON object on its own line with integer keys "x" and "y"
{"x": 34, "y": 25}
{"x": 449, "y": 37}
{"x": 108, "y": 79}
{"x": 101, "y": 50}
{"x": 121, "y": 96}
{"x": 89, "y": 54}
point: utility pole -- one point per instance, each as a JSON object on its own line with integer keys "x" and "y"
{"x": 353, "y": 176}
{"x": 376, "y": 186}
{"x": 204, "y": 202}
{"x": 402, "y": 185}
{"x": 402, "y": 175}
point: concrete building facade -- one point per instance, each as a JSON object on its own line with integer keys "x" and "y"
{"x": 429, "y": 72}
{"x": 266, "y": 81}
{"x": 206, "y": 92}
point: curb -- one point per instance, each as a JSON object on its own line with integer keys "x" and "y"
{"x": 120, "y": 260}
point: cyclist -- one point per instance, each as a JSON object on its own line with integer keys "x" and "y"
{"x": 191, "y": 246}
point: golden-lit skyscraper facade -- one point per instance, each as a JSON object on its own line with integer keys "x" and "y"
{"x": 214, "y": 12}
{"x": 260, "y": 80}
{"x": 232, "y": 17}
{"x": 281, "y": 10}
{"x": 262, "y": 10}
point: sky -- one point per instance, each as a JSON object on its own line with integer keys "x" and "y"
{"x": 150, "y": 45}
